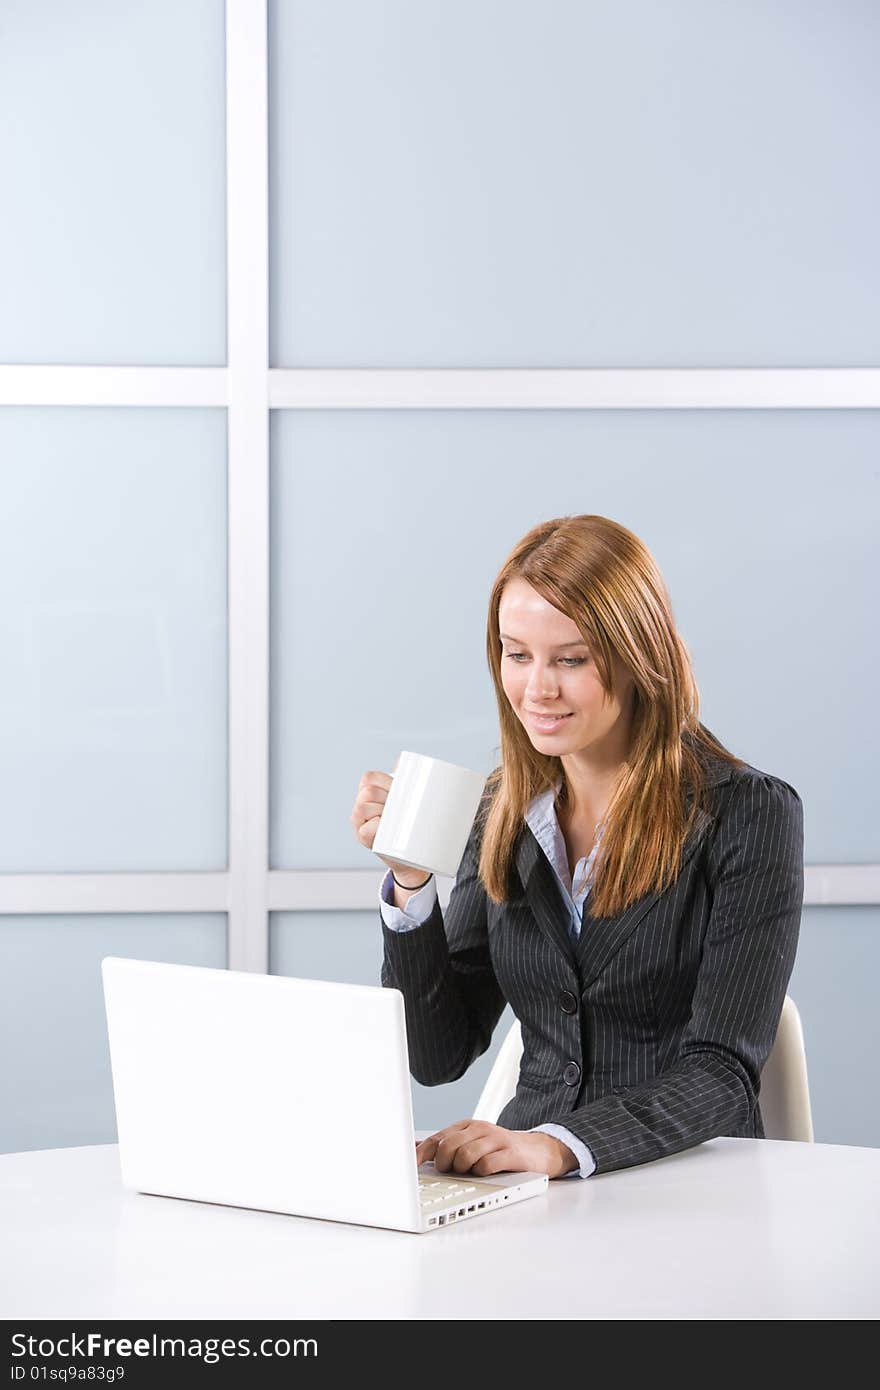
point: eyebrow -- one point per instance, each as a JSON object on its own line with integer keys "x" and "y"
{"x": 581, "y": 642}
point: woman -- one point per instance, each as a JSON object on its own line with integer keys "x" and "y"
{"x": 631, "y": 888}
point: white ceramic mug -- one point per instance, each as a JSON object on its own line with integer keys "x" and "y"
{"x": 429, "y": 813}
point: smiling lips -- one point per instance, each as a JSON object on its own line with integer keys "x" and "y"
{"x": 546, "y": 723}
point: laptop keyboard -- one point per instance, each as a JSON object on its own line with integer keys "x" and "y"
{"x": 434, "y": 1191}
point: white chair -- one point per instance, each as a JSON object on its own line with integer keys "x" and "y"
{"x": 785, "y": 1089}
{"x": 785, "y": 1092}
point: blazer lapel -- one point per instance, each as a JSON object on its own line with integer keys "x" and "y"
{"x": 543, "y": 893}
{"x": 602, "y": 937}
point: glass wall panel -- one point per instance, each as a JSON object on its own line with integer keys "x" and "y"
{"x": 602, "y": 185}
{"x": 113, "y": 151}
{"x": 834, "y": 985}
{"x": 113, "y": 711}
{"x": 388, "y": 529}
{"x": 343, "y": 946}
{"x": 56, "y": 1088}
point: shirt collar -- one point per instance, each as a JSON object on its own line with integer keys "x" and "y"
{"x": 541, "y": 819}
{"x": 541, "y": 807}
{"x": 541, "y": 810}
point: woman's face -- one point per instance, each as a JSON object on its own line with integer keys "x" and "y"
{"x": 551, "y": 680}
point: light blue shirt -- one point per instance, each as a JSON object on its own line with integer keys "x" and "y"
{"x": 541, "y": 820}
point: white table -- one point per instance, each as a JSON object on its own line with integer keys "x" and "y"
{"x": 736, "y": 1228}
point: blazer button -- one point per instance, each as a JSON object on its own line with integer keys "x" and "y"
{"x": 572, "y": 1074}
{"x": 567, "y": 1002}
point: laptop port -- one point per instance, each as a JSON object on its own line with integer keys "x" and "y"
{"x": 442, "y": 1220}
{"x": 480, "y": 1206}
{"x": 471, "y": 1208}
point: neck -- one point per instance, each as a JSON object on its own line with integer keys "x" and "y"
{"x": 590, "y": 780}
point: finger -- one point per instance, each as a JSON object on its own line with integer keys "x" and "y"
{"x": 427, "y": 1148}
{"x": 370, "y": 793}
{"x": 464, "y": 1144}
{"x": 498, "y": 1161}
{"x": 376, "y": 779}
{"x": 368, "y": 811}
{"x": 495, "y": 1158}
{"x": 366, "y": 831}
{"x": 453, "y": 1146}
{"x": 478, "y": 1156}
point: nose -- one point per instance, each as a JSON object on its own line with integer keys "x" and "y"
{"x": 543, "y": 683}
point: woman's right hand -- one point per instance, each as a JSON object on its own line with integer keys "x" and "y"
{"x": 369, "y": 803}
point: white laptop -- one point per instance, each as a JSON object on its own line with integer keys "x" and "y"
{"x": 282, "y": 1094}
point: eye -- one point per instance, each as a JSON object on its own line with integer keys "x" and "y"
{"x": 514, "y": 656}
{"x": 574, "y": 660}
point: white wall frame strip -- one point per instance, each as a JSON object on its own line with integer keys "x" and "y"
{"x": 45, "y": 894}
{"x": 453, "y": 389}
{"x": 313, "y": 890}
{"x": 247, "y": 211}
{"x": 160, "y": 386}
{"x": 326, "y": 890}
{"x": 334, "y": 890}
{"x": 819, "y": 388}
{"x": 851, "y": 885}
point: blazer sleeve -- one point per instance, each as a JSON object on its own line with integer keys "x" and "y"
{"x": 452, "y": 999}
{"x": 711, "y": 1088}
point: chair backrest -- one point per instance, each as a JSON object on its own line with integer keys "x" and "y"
{"x": 785, "y": 1089}
{"x": 785, "y": 1092}
{"x": 501, "y": 1082}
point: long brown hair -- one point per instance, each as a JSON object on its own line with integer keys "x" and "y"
{"x": 605, "y": 579}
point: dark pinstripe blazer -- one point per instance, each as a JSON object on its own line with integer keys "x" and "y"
{"x": 649, "y": 1034}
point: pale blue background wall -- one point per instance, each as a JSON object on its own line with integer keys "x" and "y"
{"x": 467, "y": 185}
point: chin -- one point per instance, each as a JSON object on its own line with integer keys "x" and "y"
{"x": 551, "y": 743}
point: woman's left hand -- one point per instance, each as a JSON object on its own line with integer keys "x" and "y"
{"x": 475, "y": 1146}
